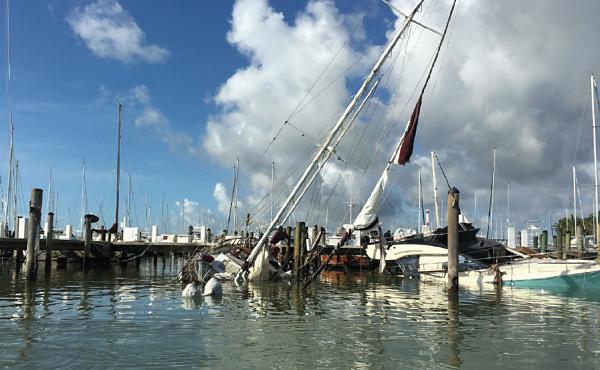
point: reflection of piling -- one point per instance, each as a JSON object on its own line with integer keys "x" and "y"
{"x": 33, "y": 235}
{"x": 298, "y": 246}
{"x": 453, "y": 336}
{"x": 49, "y": 238}
{"x": 453, "y": 211}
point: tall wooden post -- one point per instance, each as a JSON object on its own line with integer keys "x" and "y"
{"x": 49, "y": 239}
{"x": 33, "y": 235}
{"x": 298, "y": 244}
{"x": 559, "y": 244}
{"x": 579, "y": 238}
{"x": 567, "y": 246}
{"x": 544, "y": 241}
{"x": 453, "y": 212}
{"x": 87, "y": 241}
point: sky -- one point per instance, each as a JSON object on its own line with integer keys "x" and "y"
{"x": 205, "y": 83}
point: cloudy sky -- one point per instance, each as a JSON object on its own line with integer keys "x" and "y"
{"x": 204, "y": 83}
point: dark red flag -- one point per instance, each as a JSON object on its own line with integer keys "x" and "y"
{"x": 406, "y": 148}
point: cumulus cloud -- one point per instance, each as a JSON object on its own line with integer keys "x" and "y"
{"x": 157, "y": 124}
{"x": 110, "y": 32}
{"x": 515, "y": 83}
{"x": 193, "y": 213}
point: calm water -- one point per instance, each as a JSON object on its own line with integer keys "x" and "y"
{"x": 123, "y": 317}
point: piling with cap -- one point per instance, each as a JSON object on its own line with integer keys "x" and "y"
{"x": 298, "y": 244}
{"x": 453, "y": 212}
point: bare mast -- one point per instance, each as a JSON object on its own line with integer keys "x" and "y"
{"x": 120, "y": 109}
{"x": 435, "y": 193}
{"x": 594, "y": 92}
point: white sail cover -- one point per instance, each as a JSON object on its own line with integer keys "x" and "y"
{"x": 367, "y": 217}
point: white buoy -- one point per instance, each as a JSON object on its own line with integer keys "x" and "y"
{"x": 213, "y": 288}
{"x": 190, "y": 291}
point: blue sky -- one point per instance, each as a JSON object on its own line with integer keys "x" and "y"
{"x": 64, "y": 100}
{"x": 204, "y": 82}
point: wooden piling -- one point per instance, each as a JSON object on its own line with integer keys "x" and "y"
{"x": 87, "y": 238}
{"x": 559, "y": 244}
{"x": 49, "y": 238}
{"x": 535, "y": 242}
{"x": 298, "y": 243}
{"x": 567, "y": 246}
{"x": 579, "y": 238}
{"x": 544, "y": 241}
{"x": 33, "y": 235}
{"x": 453, "y": 211}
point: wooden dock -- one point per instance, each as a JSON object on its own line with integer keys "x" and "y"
{"x": 104, "y": 249}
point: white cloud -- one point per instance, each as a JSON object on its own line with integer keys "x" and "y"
{"x": 500, "y": 82}
{"x": 110, "y": 32}
{"x": 157, "y": 124}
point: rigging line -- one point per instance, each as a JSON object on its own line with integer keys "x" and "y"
{"x": 442, "y": 169}
{"x": 451, "y": 33}
{"x": 298, "y": 107}
{"x": 583, "y": 112}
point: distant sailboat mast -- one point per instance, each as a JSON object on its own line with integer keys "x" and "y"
{"x": 84, "y": 205}
{"x": 575, "y": 205}
{"x": 594, "y": 93}
{"x": 11, "y": 127}
{"x": 435, "y": 193}
{"x": 120, "y": 109}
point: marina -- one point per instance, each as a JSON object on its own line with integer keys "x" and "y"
{"x": 318, "y": 166}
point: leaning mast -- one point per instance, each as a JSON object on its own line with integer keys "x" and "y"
{"x": 323, "y": 148}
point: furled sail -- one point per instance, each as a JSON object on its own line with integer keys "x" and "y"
{"x": 367, "y": 217}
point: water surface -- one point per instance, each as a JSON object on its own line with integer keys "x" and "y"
{"x": 128, "y": 317}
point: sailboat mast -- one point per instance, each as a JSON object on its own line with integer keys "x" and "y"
{"x": 491, "y": 205}
{"x": 435, "y": 193}
{"x": 272, "y": 188}
{"x": 419, "y": 205}
{"x": 235, "y": 201}
{"x": 508, "y": 205}
{"x": 120, "y": 109}
{"x": 83, "y": 198}
{"x": 594, "y": 92}
{"x": 349, "y": 108}
{"x": 11, "y": 127}
{"x": 575, "y": 203}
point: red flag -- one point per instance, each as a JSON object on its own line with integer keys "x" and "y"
{"x": 406, "y": 149}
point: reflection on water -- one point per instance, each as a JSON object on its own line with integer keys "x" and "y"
{"x": 125, "y": 316}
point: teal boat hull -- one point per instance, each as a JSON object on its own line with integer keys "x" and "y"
{"x": 572, "y": 281}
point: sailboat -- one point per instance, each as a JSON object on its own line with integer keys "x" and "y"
{"x": 259, "y": 255}
{"x": 430, "y": 262}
